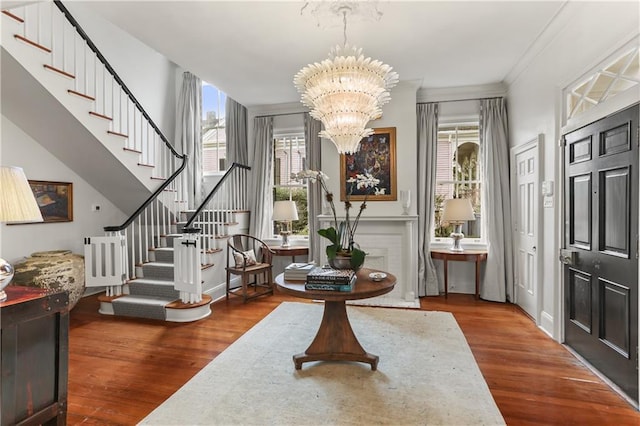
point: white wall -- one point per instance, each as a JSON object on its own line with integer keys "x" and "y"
{"x": 583, "y": 35}
{"x": 19, "y": 149}
{"x": 149, "y": 75}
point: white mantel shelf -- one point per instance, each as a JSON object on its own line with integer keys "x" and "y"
{"x": 391, "y": 245}
{"x": 366, "y": 218}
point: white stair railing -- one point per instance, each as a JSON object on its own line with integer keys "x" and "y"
{"x": 210, "y": 221}
{"x": 113, "y": 260}
{"x": 49, "y": 26}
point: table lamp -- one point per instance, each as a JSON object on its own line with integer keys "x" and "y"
{"x": 17, "y": 204}
{"x": 285, "y": 212}
{"x": 456, "y": 211}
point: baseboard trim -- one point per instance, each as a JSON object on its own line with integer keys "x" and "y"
{"x": 546, "y": 323}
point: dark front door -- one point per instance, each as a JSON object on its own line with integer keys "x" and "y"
{"x": 601, "y": 246}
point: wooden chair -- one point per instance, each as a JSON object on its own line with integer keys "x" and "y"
{"x": 249, "y": 257}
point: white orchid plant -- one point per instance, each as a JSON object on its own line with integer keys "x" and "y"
{"x": 341, "y": 234}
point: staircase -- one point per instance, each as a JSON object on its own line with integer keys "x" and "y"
{"x": 153, "y": 295}
{"x": 154, "y": 264}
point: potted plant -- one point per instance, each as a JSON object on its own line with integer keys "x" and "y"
{"x": 343, "y": 252}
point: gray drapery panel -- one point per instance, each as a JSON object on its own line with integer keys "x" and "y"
{"x": 261, "y": 195}
{"x": 496, "y": 206}
{"x": 427, "y": 144}
{"x": 314, "y": 202}
{"x": 189, "y": 137}
{"x": 236, "y": 131}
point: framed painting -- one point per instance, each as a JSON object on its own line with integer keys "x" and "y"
{"x": 55, "y": 200}
{"x": 376, "y": 156}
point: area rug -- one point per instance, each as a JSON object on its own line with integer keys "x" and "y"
{"x": 426, "y": 376}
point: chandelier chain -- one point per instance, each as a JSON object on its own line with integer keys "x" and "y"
{"x": 344, "y": 21}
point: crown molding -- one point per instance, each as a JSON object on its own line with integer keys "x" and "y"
{"x": 461, "y": 93}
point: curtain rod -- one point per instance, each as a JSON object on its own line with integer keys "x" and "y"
{"x": 460, "y": 100}
{"x": 278, "y": 115}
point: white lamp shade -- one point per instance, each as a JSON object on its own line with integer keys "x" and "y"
{"x": 457, "y": 210}
{"x": 17, "y": 202}
{"x": 285, "y": 210}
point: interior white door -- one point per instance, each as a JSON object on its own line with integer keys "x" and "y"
{"x": 526, "y": 197}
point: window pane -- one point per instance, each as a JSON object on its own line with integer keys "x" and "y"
{"x": 214, "y": 138}
{"x": 458, "y": 175}
{"x": 290, "y": 157}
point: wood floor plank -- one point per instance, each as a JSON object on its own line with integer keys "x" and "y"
{"x": 120, "y": 369}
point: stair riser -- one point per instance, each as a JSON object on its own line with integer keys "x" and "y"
{"x": 156, "y": 272}
{"x": 165, "y": 256}
{"x": 145, "y": 289}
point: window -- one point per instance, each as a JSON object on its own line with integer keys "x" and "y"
{"x": 289, "y": 156}
{"x": 214, "y": 138}
{"x": 458, "y": 174}
{"x": 616, "y": 76}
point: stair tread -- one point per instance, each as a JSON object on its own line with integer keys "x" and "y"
{"x": 163, "y": 264}
{"x": 151, "y": 281}
{"x": 145, "y": 300}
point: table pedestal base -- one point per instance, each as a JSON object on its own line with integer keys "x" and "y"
{"x": 335, "y": 340}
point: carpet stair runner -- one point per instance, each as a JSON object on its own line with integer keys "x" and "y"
{"x": 153, "y": 295}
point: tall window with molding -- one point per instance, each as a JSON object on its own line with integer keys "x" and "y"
{"x": 214, "y": 139}
{"x": 458, "y": 175}
{"x": 289, "y": 157}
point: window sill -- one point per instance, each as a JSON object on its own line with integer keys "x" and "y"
{"x": 471, "y": 244}
{"x": 294, "y": 241}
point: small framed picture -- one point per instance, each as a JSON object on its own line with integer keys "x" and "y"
{"x": 55, "y": 200}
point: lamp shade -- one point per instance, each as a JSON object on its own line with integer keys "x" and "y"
{"x": 285, "y": 210}
{"x": 17, "y": 202}
{"x": 457, "y": 210}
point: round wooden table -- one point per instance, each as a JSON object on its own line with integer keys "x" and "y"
{"x": 335, "y": 340}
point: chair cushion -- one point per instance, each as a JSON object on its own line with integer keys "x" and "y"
{"x": 241, "y": 260}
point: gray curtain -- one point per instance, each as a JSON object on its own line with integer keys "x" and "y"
{"x": 236, "y": 131}
{"x": 496, "y": 206}
{"x": 189, "y": 137}
{"x": 427, "y": 144}
{"x": 314, "y": 202}
{"x": 260, "y": 195}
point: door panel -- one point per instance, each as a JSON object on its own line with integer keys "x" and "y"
{"x": 580, "y": 211}
{"x": 601, "y": 218}
{"x": 615, "y": 192}
{"x": 580, "y": 299}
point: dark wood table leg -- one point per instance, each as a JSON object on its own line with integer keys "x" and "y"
{"x": 446, "y": 279}
{"x": 335, "y": 340}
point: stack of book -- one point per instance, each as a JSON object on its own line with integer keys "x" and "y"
{"x": 330, "y": 279}
{"x": 297, "y": 271}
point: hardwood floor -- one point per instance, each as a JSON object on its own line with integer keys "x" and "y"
{"x": 120, "y": 369}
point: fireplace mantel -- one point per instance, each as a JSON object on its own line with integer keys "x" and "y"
{"x": 391, "y": 245}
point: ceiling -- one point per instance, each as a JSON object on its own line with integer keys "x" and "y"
{"x": 252, "y": 49}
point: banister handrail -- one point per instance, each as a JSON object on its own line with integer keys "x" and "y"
{"x": 187, "y": 227}
{"x": 149, "y": 200}
{"x": 116, "y": 77}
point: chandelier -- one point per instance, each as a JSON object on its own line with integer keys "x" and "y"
{"x": 345, "y": 92}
